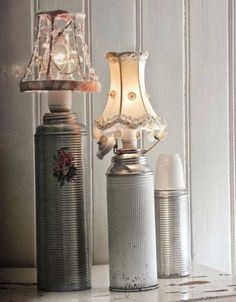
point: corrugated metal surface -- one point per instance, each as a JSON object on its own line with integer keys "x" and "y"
{"x": 63, "y": 258}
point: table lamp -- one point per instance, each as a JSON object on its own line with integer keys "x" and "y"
{"x": 59, "y": 65}
{"x": 130, "y": 190}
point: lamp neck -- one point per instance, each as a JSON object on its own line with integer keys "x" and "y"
{"x": 60, "y": 101}
{"x": 129, "y": 139}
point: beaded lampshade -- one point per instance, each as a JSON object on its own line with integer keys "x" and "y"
{"x": 60, "y": 59}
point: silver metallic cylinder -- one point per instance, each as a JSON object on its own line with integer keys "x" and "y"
{"x": 131, "y": 224}
{"x": 62, "y": 204}
{"x": 173, "y": 233}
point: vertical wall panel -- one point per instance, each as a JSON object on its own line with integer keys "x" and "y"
{"x": 113, "y": 29}
{"x": 232, "y": 126}
{"x": 70, "y": 5}
{"x": 164, "y": 40}
{"x": 210, "y": 133}
{"x": 16, "y": 138}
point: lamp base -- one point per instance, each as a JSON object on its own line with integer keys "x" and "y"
{"x": 62, "y": 204}
{"x": 131, "y": 223}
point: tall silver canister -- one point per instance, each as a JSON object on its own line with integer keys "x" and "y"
{"x": 62, "y": 204}
{"x": 172, "y": 218}
{"x": 131, "y": 223}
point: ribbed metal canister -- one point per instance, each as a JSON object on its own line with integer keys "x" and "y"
{"x": 131, "y": 224}
{"x": 62, "y": 204}
{"x": 173, "y": 233}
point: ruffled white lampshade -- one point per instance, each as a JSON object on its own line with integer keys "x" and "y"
{"x": 128, "y": 104}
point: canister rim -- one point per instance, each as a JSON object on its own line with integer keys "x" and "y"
{"x": 170, "y": 193}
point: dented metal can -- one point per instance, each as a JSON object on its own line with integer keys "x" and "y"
{"x": 173, "y": 233}
{"x": 131, "y": 224}
{"x": 62, "y": 204}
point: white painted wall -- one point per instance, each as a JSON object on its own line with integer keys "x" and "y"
{"x": 189, "y": 76}
{"x": 209, "y": 117}
{"x": 17, "y": 245}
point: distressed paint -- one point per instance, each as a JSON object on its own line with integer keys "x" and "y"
{"x": 131, "y": 222}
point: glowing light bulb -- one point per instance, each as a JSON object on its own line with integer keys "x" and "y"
{"x": 60, "y": 58}
{"x": 64, "y": 57}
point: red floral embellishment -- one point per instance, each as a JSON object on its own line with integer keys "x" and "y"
{"x": 63, "y": 167}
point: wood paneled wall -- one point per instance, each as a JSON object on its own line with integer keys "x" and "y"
{"x": 17, "y": 123}
{"x": 190, "y": 78}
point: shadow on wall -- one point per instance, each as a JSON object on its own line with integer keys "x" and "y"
{"x": 16, "y": 139}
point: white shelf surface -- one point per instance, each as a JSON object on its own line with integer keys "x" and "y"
{"x": 19, "y": 285}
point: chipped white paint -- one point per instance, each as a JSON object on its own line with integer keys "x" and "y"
{"x": 131, "y": 220}
{"x": 203, "y": 284}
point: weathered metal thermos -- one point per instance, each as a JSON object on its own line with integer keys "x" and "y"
{"x": 131, "y": 223}
{"x": 62, "y": 204}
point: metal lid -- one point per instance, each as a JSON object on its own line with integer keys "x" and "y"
{"x": 129, "y": 163}
{"x": 60, "y": 117}
{"x": 61, "y": 123}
